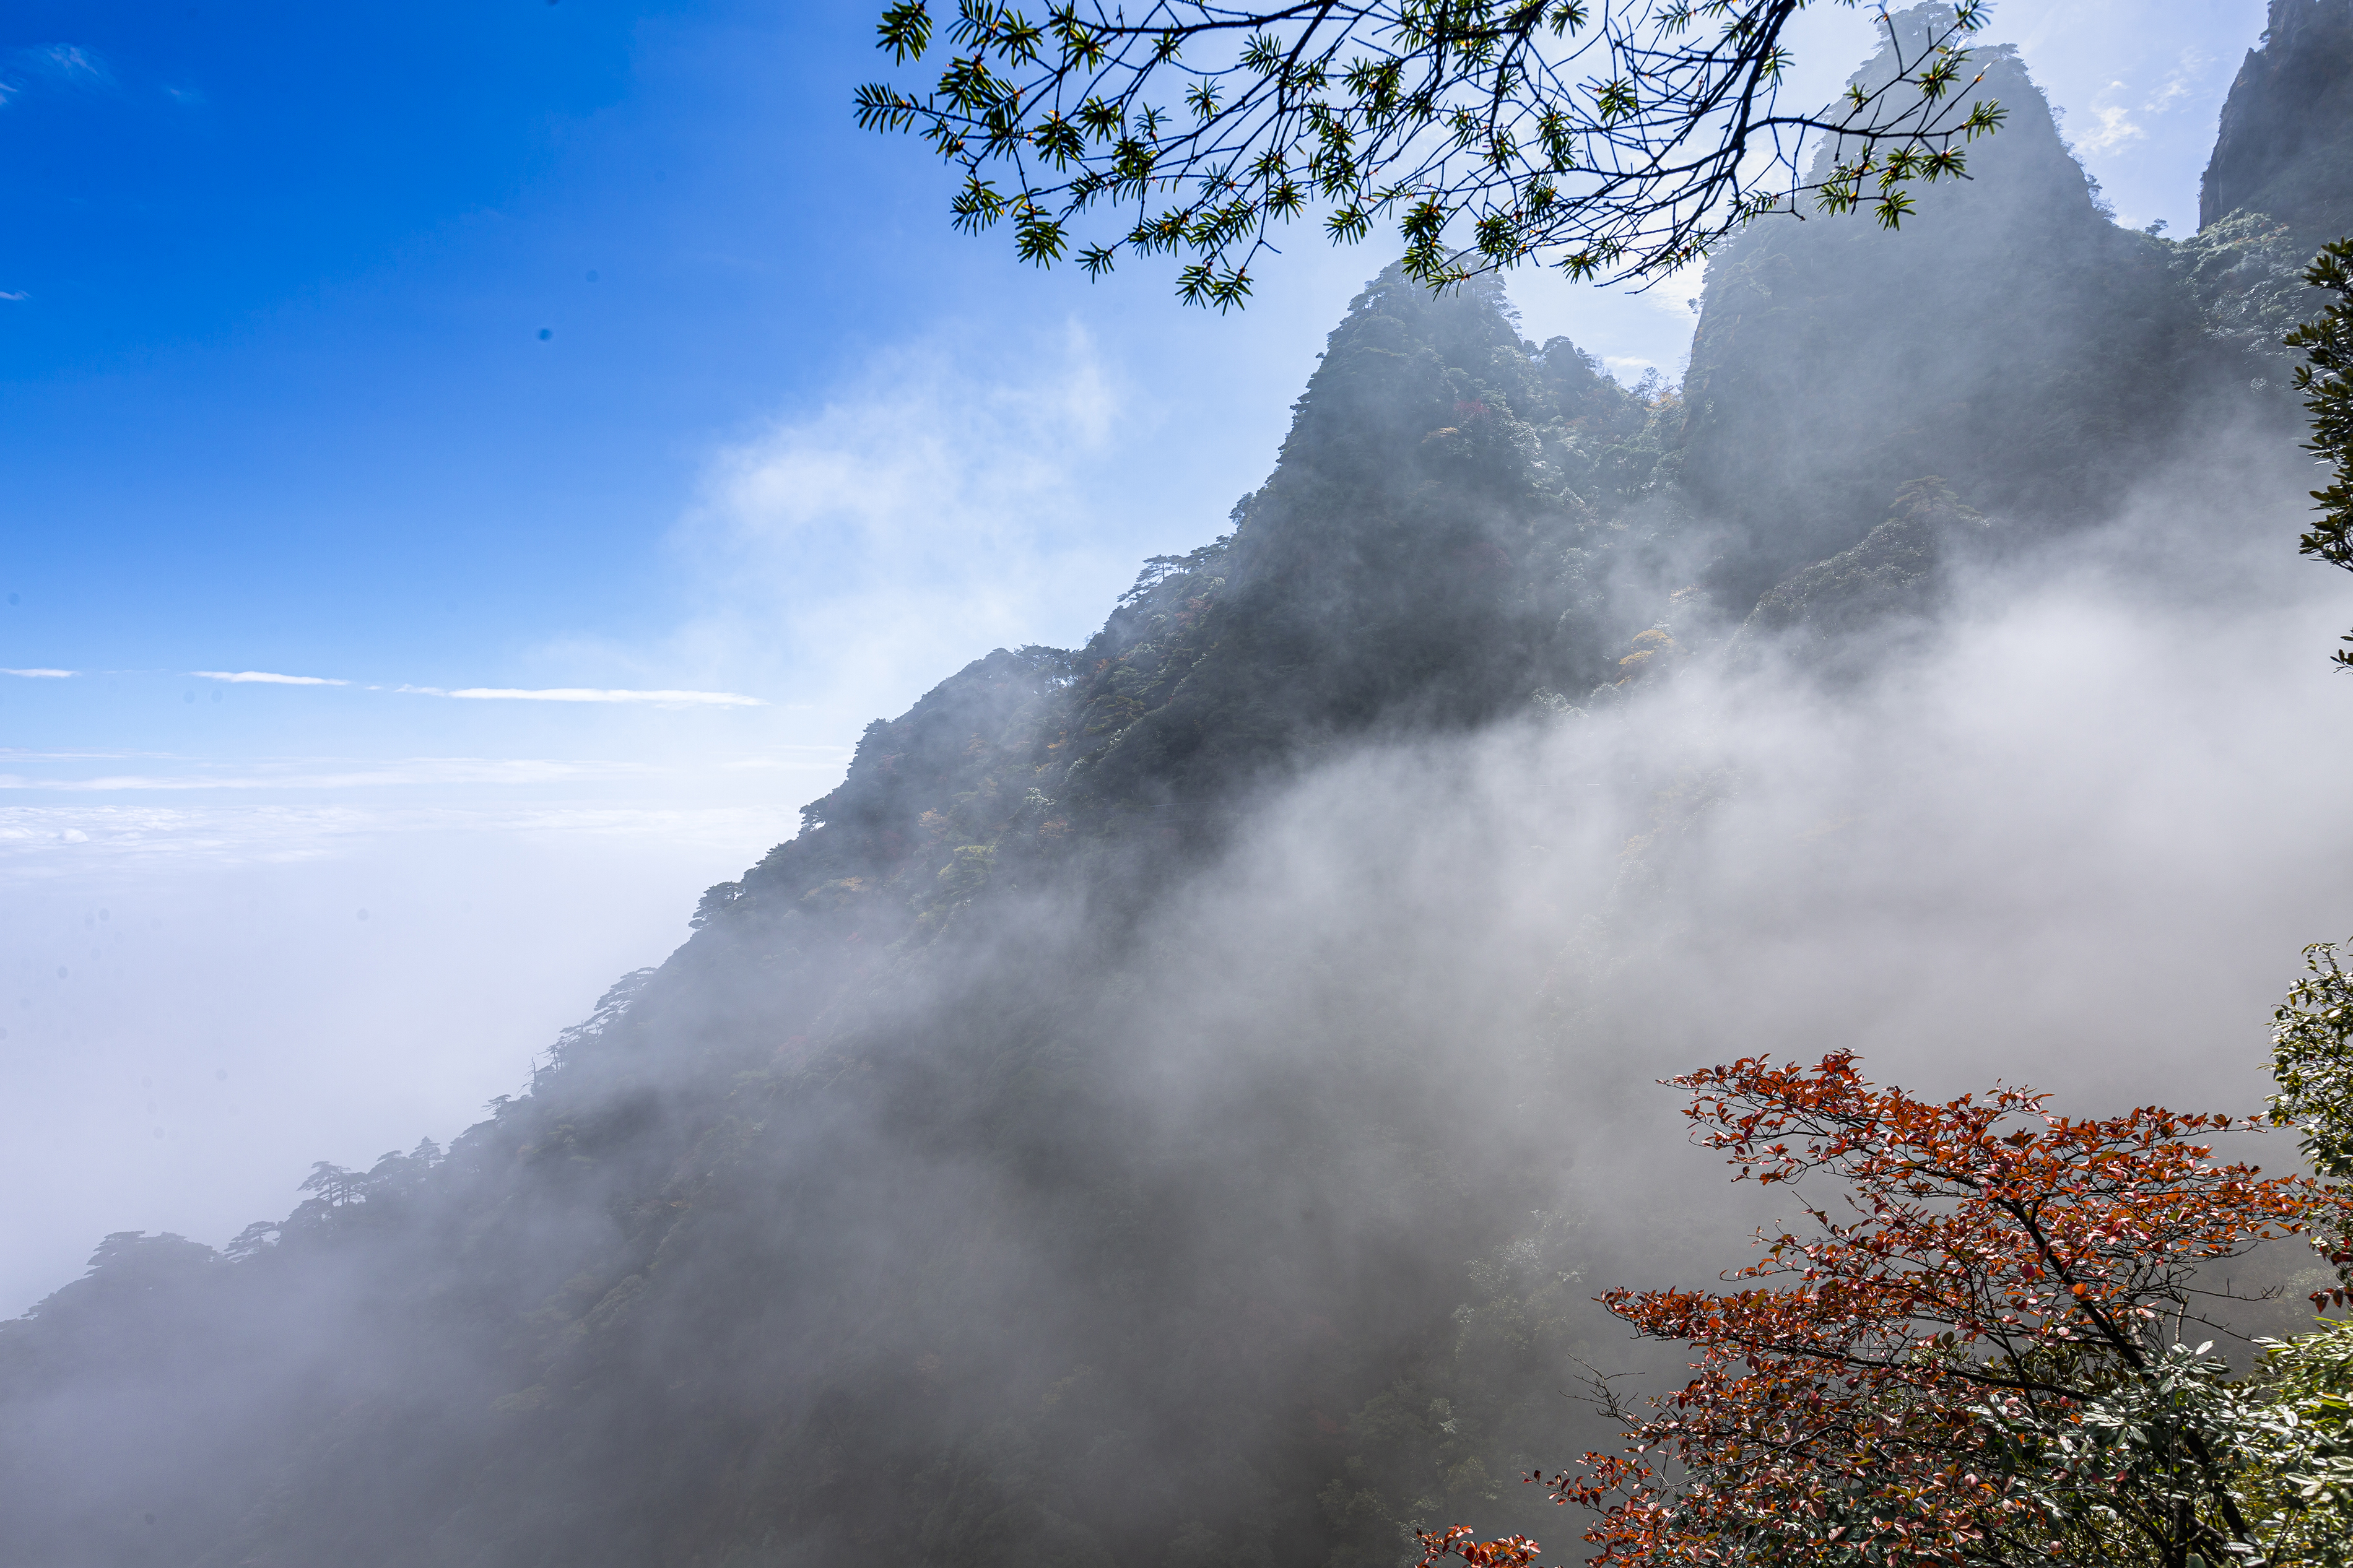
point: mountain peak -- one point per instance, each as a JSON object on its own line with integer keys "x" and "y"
{"x": 2286, "y": 144}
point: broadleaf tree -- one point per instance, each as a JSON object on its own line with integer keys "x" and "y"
{"x": 1973, "y": 1354}
{"x": 1614, "y": 138}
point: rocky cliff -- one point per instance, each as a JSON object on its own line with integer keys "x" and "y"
{"x": 1009, "y": 1168}
{"x": 2285, "y": 145}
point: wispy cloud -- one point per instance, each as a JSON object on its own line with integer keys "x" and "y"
{"x": 11, "y": 293}
{"x": 2116, "y": 129}
{"x": 927, "y": 442}
{"x": 633, "y": 785}
{"x": 268, "y": 678}
{"x": 70, "y": 62}
{"x": 591, "y": 694}
{"x": 72, "y": 839}
{"x": 327, "y": 773}
{"x": 663, "y": 698}
{"x": 943, "y": 505}
{"x": 1678, "y": 293}
{"x": 64, "y": 65}
{"x": 2179, "y": 85}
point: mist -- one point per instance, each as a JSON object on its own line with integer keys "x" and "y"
{"x": 1176, "y": 1098}
{"x": 2071, "y": 831}
{"x": 250, "y": 990}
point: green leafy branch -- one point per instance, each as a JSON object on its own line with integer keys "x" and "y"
{"x": 1608, "y": 138}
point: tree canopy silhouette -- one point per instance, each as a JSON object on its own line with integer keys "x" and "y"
{"x": 1610, "y": 138}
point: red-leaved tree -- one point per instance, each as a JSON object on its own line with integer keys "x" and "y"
{"x": 1972, "y": 1357}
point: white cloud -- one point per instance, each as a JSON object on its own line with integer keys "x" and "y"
{"x": 591, "y": 694}
{"x": 661, "y": 698}
{"x": 11, "y": 293}
{"x": 42, "y": 674}
{"x": 1628, "y": 370}
{"x": 63, "y": 840}
{"x": 2116, "y": 127}
{"x": 334, "y": 773}
{"x": 67, "y": 61}
{"x": 928, "y": 451}
{"x": 2180, "y": 84}
{"x": 1678, "y": 292}
{"x": 266, "y": 678}
{"x": 953, "y": 501}
{"x": 64, "y": 64}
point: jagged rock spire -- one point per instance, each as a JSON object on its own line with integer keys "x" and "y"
{"x": 2285, "y": 146}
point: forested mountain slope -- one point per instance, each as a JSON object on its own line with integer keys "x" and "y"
{"x": 1038, "y": 1158}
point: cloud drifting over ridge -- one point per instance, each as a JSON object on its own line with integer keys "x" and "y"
{"x": 940, "y": 506}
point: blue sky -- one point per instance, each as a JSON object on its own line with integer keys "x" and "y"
{"x": 277, "y": 396}
{"x": 518, "y": 347}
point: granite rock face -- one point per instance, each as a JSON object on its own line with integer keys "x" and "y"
{"x": 875, "y": 1222}
{"x": 2286, "y": 143}
{"x": 2011, "y": 337}
{"x": 1899, "y": 572}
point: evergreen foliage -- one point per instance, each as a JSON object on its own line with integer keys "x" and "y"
{"x": 2326, "y": 379}
{"x": 2296, "y": 1449}
{"x": 1607, "y": 136}
{"x": 729, "y": 1282}
{"x": 1898, "y": 575}
{"x": 2312, "y": 1061}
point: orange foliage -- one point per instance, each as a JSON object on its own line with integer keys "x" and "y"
{"x": 1984, "y": 1256}
{"x": 1510, "y": 1551}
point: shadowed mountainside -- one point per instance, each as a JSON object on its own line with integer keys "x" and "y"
{"x": 2285, "y": 146}
{"x": 1005, "y": 1170}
